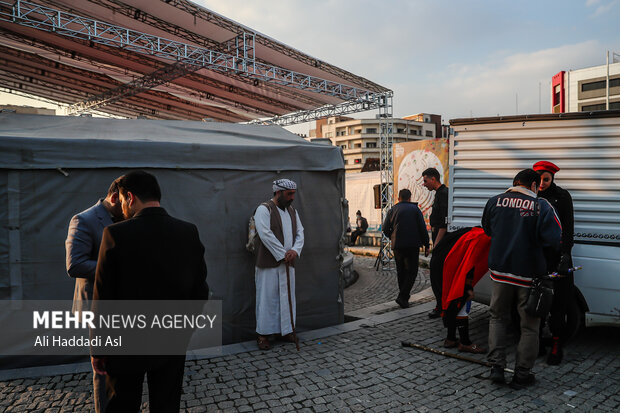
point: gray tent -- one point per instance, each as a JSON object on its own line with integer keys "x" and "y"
{"x": 211, "y": 174}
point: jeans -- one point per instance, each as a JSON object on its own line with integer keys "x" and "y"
{"x": 503, "y": 299}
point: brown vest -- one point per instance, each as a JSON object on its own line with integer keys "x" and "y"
{"x": 264, "y": 258}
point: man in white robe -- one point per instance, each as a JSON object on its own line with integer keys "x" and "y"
{"x": 277, "y": 219}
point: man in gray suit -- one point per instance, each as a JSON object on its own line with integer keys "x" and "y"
{"x": 82, "y": 245}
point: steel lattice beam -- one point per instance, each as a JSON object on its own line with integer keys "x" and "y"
{"x": 208, "y": 16}
{"x": 370, "y": 102}
{"x": 142, "y": 84}
{"x": 71, "y": 25}
{"x": 386, "y": 140}
{"x": 244, "y": 46}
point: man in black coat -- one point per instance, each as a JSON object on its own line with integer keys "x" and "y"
{"x": 150, "y": 256}
{"x": 405, "y": 226}
{"x": 439, "y": 227}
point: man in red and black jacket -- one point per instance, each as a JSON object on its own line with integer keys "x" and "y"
{"x": 520, "y": 226}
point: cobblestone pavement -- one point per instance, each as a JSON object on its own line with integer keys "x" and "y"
{"x": 365, "y": 369}
{"x": 376, "y": 287}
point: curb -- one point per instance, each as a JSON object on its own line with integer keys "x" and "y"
{"x": 370, "y": 316}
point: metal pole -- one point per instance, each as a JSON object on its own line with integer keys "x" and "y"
{"x": 452, "y": 355}
{"x": 607, "y": 85}
{"x": 290, "y": 304}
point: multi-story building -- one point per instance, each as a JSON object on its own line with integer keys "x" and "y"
{"x": 27, "y": 110}
{"x": 586, "y": 89}
{"x": 359, "y": 138}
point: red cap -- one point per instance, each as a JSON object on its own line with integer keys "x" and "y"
{"x": 546, "y": 166}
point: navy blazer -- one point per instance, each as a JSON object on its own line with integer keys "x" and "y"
{"x": 82, "y": 250}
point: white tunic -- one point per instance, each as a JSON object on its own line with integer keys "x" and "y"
{"x": 272, "y": 309}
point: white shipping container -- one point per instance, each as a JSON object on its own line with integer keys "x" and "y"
{"x": 485, "y": 155}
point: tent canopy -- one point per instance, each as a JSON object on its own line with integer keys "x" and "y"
{"x": 43, "y": 142}
{"x": 211, "y": 174}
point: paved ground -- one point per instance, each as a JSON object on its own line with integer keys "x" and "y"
{"x": 362, "y": 366}
{"x": 374, "y": 287}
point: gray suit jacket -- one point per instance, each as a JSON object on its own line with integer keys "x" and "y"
{"x": 82, "y": 246}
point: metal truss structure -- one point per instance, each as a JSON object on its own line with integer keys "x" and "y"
{"x": 214, "y": 69}
{"x": 369, "y": 102}
{"x": 243, "y": 62}
{"x": 386, "y": 139}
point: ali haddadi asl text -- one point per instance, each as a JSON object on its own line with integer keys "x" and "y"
{"x": 77, "y": 341}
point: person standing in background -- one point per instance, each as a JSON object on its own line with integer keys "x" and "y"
{"x": 439, "y": 225}
{"x": 82, "y": 250}
{"x": 405, "y": 226}
{"x": 558, "y": 261}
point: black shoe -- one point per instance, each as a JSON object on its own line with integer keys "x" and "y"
{"x": 556, "y": 354}
{"x": 436, "y": 313}
{"x": 402, "y": 303}
{"x": 520, "y": 382}
{"x": 497, "y": 375}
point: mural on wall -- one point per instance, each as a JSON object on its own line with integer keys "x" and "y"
{"x": 410, "y": 160}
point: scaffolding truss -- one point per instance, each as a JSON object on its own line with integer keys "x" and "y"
{"x": 264, "y": 88}
{"x": 142, "y": 84}
{"x": 386, "y": 140}
{"x": 369, "y": 102}
{"x": 242, "y": 62}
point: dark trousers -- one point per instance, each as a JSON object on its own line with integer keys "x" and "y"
{"x": 562, "y": 294}
{"x": 356, "y": 234}
{"x": 100, "y": 397}
{"x": 165, "y": 382}
{"x": 407, "y": 269}
{"x": 437, "y": 285}
{"x": 503, "y": 299}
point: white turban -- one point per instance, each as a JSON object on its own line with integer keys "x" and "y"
{"x": 283, "y": 185}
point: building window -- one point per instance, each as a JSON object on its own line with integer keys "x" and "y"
{"x": 359, "y": 160}
{"x": 358, "y": 130}
{"x": 587, "y": 108}
{"x": 400, "y": 131}
{"x": 429, "y": 133}
{"x": 357, "y": 145}
{"x": 600, "y": 106}
{"x": 371, "y": 130}
{"x": 346, "y": 161}
{"x": 371, "y": 144}
{"x": 593, "y": 85}
{"x": 600, "y": 84}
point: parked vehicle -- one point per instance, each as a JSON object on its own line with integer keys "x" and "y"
{"x": 486, "y": 153}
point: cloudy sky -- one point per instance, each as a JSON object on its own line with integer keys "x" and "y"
{"x": 455, "y": 58}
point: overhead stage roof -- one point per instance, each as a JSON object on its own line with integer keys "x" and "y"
{"x": 167, "y": 59}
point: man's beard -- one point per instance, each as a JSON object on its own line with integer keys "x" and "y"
{"x": 128, "y": 213}
{"x": 282, "y": 203}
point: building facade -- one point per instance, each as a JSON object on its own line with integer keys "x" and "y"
{"x": 359, "y": 138}
{"x": 586, "y": 90}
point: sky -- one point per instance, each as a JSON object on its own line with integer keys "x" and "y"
{"x": 453, "y": 58}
